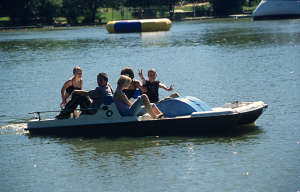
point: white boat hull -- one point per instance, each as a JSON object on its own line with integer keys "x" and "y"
{"x": 108, "y": 122}
{"x": 269, "y": 9}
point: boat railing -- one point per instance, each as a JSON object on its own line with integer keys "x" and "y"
{"x": 37, "y": 114}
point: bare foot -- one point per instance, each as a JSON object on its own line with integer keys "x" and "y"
{"x": 160, "y": 116}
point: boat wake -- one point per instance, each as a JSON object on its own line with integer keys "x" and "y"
{"x": 17, "y": 128}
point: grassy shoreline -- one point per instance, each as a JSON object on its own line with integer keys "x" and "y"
{"x": 181, "y": 13}
{"x": 62, "y": 27}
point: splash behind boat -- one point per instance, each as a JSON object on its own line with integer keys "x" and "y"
{"x": 183, "y": 116}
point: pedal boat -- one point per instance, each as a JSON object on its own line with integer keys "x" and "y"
{"x": 183, "y": 116}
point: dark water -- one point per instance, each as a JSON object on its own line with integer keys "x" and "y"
{"x": 217, "y": 61}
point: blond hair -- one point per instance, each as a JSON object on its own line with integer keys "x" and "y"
{"x": 76, "y": 69}
{"x": 123, "y": 80}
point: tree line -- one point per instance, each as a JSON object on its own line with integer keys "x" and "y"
{"x": 24, "y": 12}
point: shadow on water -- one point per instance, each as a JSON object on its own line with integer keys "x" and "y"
{"x": 127, "y": 145}
{"x": 130, "y": 151}
{"x": 54, "y": 45}
{"x": 102, "y": 152}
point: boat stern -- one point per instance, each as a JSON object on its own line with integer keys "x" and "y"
{"x": 248, "y": 112}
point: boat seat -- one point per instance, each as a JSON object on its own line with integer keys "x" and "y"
{"x": 109, "y": 110}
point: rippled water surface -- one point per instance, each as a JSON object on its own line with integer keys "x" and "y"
{"x": 218, "y": 61}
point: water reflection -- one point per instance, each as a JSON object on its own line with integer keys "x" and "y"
{"x": 54, "y": 45}
{"x": 33, "y": 45}
{"x": 131, "y": 147}
{"x": 239, "y": 39}
{"x": 125, "y": 156}
{"x": 160, "y": 39}
{"x": 238, "y": 35}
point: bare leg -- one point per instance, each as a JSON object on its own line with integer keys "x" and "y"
{"x": 172, "y": 96}
{"x": 155, "y": 112}
{"x": 76, "y": 113}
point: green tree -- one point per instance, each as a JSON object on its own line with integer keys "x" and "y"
{"x": 72, "y": 9}
{"x": 222, "y": 7}
{"x": 46, "y": 10}
{"x": 148, "y": 4}
{"x": 24, "y": 12}
{"x": 90, "y": 9}
{"x": 19, "y": 11}
{"x": 171, "y": 5}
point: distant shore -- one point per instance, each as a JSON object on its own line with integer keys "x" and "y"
{"x": 238, "y": 16}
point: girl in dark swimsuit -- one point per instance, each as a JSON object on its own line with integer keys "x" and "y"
{"x": 135, "y": 85}
{"x": 74, "y": 83}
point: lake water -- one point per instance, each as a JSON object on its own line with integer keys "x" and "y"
{"x": 218, "y": 61}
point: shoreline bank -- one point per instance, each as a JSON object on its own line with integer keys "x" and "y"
{"x": 239, "y": 16}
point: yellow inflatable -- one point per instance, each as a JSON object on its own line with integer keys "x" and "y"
{"x": 137, "y": 26}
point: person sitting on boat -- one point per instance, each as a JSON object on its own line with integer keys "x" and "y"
{"x": 128, "y": 108}
{"x": 89, "y": 101}
{"x": 73, "y": 83}
{"x": 135, "y": 89}
{"x": 152, "y": 86}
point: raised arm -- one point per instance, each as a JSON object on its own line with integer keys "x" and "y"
{"x": 142, "y": 76}
{"x": 125, "y": 99}
{"x": 171, "y": 88}
{"x": 120, "y": 97}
